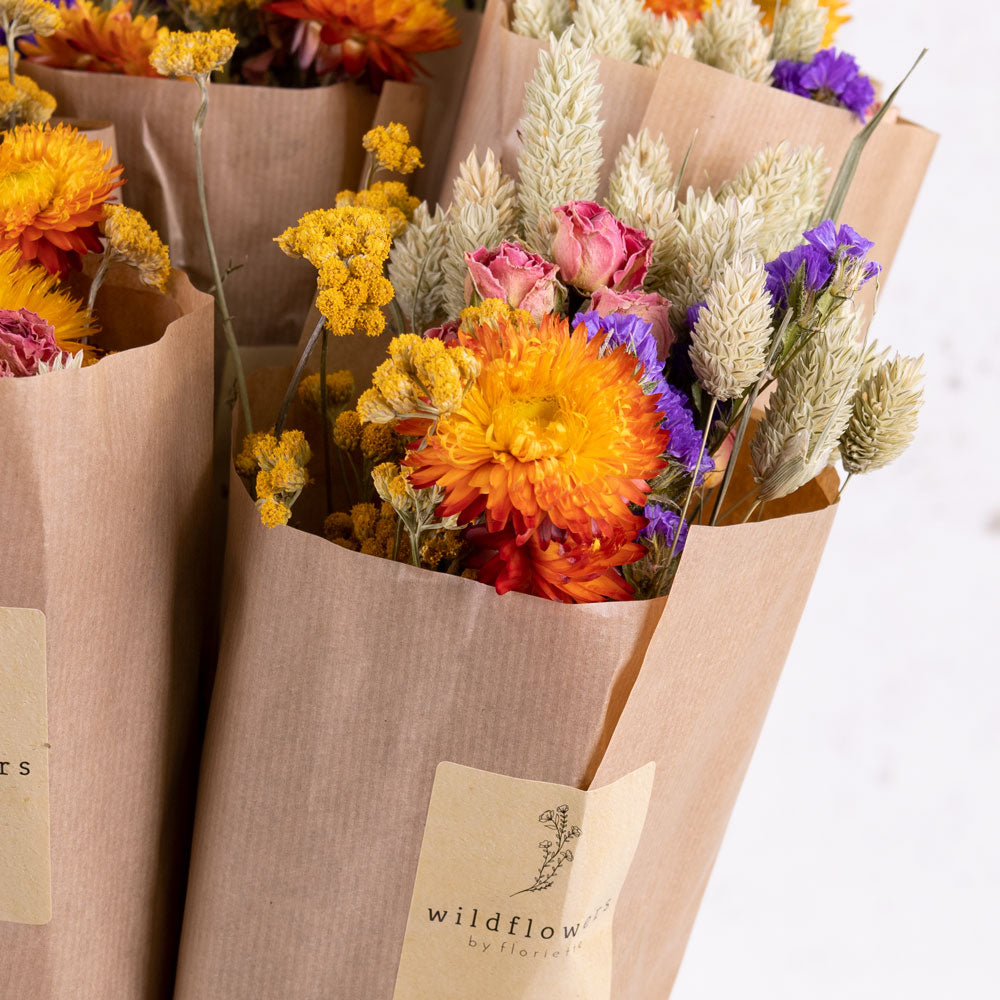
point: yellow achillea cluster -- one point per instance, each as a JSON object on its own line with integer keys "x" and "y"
{"x": 422, "y": 378}
{"x": 193, "y": 53}
{"x": 131, "y": 239}
{"x": 339, "y": 389}
{"x": 366, "y": 528}
{"x": 390, "y": 145}
{"x": 348, "y": 246}
{"x": 25, "y": 101}
{"x": 347, "y": 430}
{"x": 490, "y": 312}
{"x": 29, "y": 17}
{"x": 208, "y": 10}
{"x": 99, "y": 40}
{"x": 34, "y": 289}
{"x": 379, "y": 442}
{"x": 391, "y": 198}
{"x": 280, "y": 465}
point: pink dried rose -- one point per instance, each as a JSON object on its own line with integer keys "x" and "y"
{"x": 594, "y": 250}
{"x": 25, "y": 340}
{"x": 649, "y": 306}
{"x": 521, "y": 279}
{"x": 447, "y": 332}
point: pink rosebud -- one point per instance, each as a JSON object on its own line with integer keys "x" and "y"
{"x": 721, "y": 457}
{"x": 25, "y": 340}
{"x": 594, "y": 250}
{"x": 649, "y": 306}
{"x": 522, "y": 279}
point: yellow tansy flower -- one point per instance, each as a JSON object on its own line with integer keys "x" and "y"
{"x": 25, "y": 101}
{"x": 193, "y": 53}
{"x": 391, "y": 198}
{"x": 347, "y": 430}
{"x": 339, "y": 389}
{"x": 390, "y": 145}
{"x": 29, "y": 17}
{"x": 132, "y": 240}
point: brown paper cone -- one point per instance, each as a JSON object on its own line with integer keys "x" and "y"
{"x": 105, "y": 506}
{"x": 344, "y": 680}
{"x": 733, "y": 118}
{"x": 271, "y": 154}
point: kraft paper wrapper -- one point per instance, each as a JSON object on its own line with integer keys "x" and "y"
{"x": 106, "y": 508}
{"x": 271, "y": 154}
{"x": 344, "y": 680}
{"x": 734, "y": 119}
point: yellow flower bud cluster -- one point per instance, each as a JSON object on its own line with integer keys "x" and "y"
{"x": 390, "y": 145}
{"x": 29, "y": 17}
{"x": 348, "y": 246}
{"x": 490, "y": 312}
{"x": 339, "y": 389}
{"x": 391, "y": 198}
{"x": 347, "y": 430}
{"x": 193, "y": 53}
{"x": 280, "y": 465}
{"x": 132, "y": 240}
{"x": 440, "y": 548}
{"x": 207, "y": 11}
{"x": 366, "y": 528}
{"x": 421, "y": 378}
{"x": 25, "y": 101}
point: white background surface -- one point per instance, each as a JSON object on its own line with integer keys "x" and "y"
{"x": 862, "y": 860}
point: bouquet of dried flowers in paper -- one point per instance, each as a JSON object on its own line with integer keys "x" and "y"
{"x": 55, "y": 209}
{"x": 568, "y": 379}
{"x": 288, "y": 43}
{"x": 106, "y": 403}
{"x": 556, "y": 414}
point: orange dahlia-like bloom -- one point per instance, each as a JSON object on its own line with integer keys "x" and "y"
{"x": 100, "y": 41}
{"x": 552, "y": 438}
{"x": 835, "y": 19}
{"x": 386, "y": 33}
{"x": 570, "y": 571}
{"x": 689, "y": 9}
{"x": 53, "y": 186}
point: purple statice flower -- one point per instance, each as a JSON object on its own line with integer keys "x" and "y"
{"x": 692, "y": 313}
{"x": 787, "y": 76}
{"x": 631, "y": 331}
{"x": 662, "y": 525}
{"x": 831, "y": 77}
{"x": 816, "y": 260}
{"x": 635, "y": 333}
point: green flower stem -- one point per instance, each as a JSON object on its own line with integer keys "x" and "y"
{"x": 397, "y": 315}
{"x": 757, "y": 504}
{"x": 741, "y": 431}
{"x": 99, "y": 275}
{"x": 327, "y": 450}
{"x": 220, "y": 294}
{"x": 843, "y": 485}
{"x": 279, "y": 424}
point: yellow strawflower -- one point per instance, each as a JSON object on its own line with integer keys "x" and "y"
{"x": 33, "y": 288}
{"x": 29, "y": 17}
{"x": 132, "y": 240}
{"x": 835, "y": 19}
{"x": 193, "y": 53}
{"x": 390, "y": 145}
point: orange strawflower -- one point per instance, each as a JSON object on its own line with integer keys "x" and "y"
{"x": 384, "y": 33}
{"x": 53, "y": 186}
{"x": 691, "y": 10}
{"x": 100, "y": 41}
{"x": 551, "y": 438}
{"x": 572, "y": 572}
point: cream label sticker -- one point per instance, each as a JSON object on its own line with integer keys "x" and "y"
{"x": 25, "y": 867}
{"x": 516, "y": 887}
